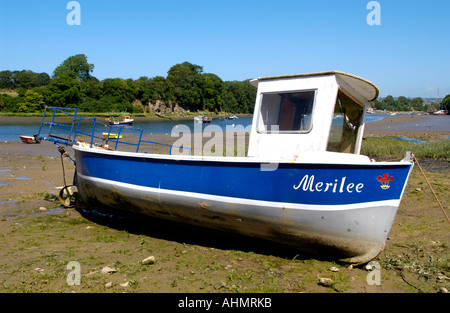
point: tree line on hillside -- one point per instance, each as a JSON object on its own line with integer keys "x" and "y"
{"x": 72, "y": 85}
{"x": 390, "y": 103}
{"x": 185, "y": 87}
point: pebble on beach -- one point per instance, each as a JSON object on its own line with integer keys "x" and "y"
{"x": 326, "y": 282}
{"x": 149, "y": 260}
{"x": 108, "y": 270}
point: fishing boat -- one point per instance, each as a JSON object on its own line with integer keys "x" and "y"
{"x": 303, "y": 182}
{"x": 202, "y": 119}
{"x": 30, "y": 139}
{"x": 126, "y": 120}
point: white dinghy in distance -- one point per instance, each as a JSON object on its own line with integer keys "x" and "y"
{"x": 302, "y": 184}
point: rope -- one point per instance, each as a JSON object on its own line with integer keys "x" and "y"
{"x": 429, "y": 185}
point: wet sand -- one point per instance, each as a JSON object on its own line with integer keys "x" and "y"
{"x": 414, "y": 125}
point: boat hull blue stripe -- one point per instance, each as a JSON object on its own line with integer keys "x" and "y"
{"x": 313, "y": 184}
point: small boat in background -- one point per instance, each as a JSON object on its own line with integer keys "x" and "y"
{"x": 30, "y": 139}
{"x": 127, "y": 120}
{"x": 234, "y": 117}
{"x": 441, "y": 112}
{"x": 202, "y": 119}
{"x": 111, "y": 135}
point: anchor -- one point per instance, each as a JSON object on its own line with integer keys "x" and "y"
{"x": 68, "y": 194}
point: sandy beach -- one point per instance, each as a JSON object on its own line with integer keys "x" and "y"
{"x": 39, "y": 239}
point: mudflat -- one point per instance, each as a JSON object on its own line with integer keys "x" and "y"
{"x": 409, "y": 124}
{"x": 40, "y": 238}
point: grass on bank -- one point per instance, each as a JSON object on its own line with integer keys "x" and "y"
{"x": 387, "y": 147}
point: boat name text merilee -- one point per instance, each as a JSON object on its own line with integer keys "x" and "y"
{"x": 338, "y": 186}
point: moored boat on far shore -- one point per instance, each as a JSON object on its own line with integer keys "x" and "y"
{"x": 441, "y": 112}
{"x": 202, "y": 119}
{"x": 125, "y": 121}
{"x": 30, "y": 139}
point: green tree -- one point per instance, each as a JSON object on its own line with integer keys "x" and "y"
{"x": 32, "y": 102}
{"x": 141, "y": 87}
{"x": 212, "y": 92}
{"x": 388, "y": 103}
{"x": 403, "y": 104}
{"x": 445, "y": 104}
{"x": 238, "y": 97}
{"x": 72, "y": 85}
{"x": 22, "y": 79}
{"x": 417, "y": 104}
{"x": 6, "y": 80}
{"x": 42, "y": 79}
{"x": 91, "y": 89}
{"x": 76, "y": 67}
{"x": 9, "y": 103}
{"x": 230, "y": 103}
{"x": 376, "y": 104}
{"x": 159, "y": 88}
{"x": 63, "y": 92}
{"x": 187, "y": 84}
{"x": 119, "y": 89}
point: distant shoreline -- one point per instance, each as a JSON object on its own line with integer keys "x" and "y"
{"x": 21, "y": 119}
{"x": 401, "y": 124}
{"x": 410, "y": 125}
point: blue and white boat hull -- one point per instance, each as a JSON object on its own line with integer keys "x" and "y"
{"x": 341, "y": 211}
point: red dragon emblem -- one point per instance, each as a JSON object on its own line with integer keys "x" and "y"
{"x": 385, "y": 180}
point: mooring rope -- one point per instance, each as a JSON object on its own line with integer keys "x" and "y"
{"x": 432, "y": 190}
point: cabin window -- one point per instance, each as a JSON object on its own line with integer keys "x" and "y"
{"x": 346, "y": 122}
{"x": 287, "y": 112}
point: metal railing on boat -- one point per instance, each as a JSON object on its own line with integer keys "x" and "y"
{"x": 70, "y": 132}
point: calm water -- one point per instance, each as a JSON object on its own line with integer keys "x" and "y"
{"x": 11, "y": 132}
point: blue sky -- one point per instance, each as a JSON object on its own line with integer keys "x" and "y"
{"x": 407, "y": 55}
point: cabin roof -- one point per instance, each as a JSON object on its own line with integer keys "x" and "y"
{"x": 364, "y": 87}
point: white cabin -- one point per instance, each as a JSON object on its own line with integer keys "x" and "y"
{"x": 297, "y": 116}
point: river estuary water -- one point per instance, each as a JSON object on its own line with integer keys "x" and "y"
{"x": 11, "y": 131}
